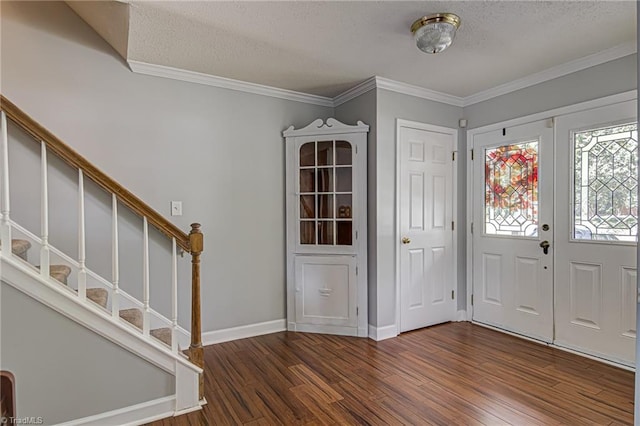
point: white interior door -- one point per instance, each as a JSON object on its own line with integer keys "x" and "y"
{"x": 426, "y": 213}
{"x": 512, "y": 221}
{"x": 596, "y": 228}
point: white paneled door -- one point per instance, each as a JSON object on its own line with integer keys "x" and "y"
{"x": 596, "y": 228}
{"x": 426, "y": 214}
{"x": 555, "y": 230}
{"x": 513, "y": 249}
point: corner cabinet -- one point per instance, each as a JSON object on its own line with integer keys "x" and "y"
{"x": 326, "y": 180}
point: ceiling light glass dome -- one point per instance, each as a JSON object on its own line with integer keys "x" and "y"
{"x": 434, "y": 33}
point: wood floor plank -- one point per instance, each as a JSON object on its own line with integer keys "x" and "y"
{"x": 451, "y": 374}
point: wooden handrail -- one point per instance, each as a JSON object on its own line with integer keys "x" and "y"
{"x": 74, "y": 159}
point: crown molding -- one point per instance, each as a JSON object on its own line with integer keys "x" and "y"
{"x": 355, "y": 91}
{"x": 607, "y": 55}
{"x": 227, "y": 83}
{"x": 420, "y": 92}
{"x": 376, "y": 82}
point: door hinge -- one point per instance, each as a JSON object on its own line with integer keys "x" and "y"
{"x": 471, "y": 154}
{"x": 453, "y": 225}
{"x": 453, "y": 293}
{"x": 357, "y": 311}
{"x": 472, "y": 227}
{"x": 356, "y": 149}
{"x": 453, "y": 156}
{"x": 356, "y": 270}
{"x": 356, "y": 235}
{"x": 472, "y": 300}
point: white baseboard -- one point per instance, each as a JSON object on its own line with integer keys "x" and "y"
{"x": 461, "y": 315}
{"x": 244, "y": 331}
{"x": 382, "y": 333}
{"x": 138, "y": 414}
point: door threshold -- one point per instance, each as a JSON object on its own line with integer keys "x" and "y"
{"x": 562, "y": 348}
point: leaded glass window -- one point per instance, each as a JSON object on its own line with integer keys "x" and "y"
{"x": 605, "y": 183}
{"x": 511, "y": 190}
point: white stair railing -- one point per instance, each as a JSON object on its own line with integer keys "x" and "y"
{"x": 82, "y": 273}
{"x": 44, "y": 213}
{"x": 5, "y": 225}
{"x": 145, "y": 277}
{"x": 191, "y": 242}
{"x": 115, "y": 259}
{"x": 174, "y": 296}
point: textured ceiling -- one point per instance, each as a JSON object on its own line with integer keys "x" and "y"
{"x": 326, "y": 47}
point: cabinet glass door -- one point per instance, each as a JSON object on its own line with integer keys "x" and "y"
{"x": 325, "y": 193}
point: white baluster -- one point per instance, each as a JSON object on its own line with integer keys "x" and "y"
{"x": 82, "y": 273}
{"x": 174, "y": 297}
{"x": 145, "y": 276}
{"x": 44, "y": 213}
{"x": 115, "y": 266}
{"x": 5, "y": 226}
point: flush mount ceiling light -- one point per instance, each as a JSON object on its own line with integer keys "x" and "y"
{"x": 434, "y": 33}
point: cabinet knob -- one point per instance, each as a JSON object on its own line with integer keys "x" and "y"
{"x": 406, "y": 240}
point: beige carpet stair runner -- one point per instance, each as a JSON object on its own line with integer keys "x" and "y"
{"x": 99, "y": 296}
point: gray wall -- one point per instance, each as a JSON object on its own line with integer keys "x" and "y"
{"x": 391, "y": 106}
{"x": 364, "y": 108}
{"x": 64, "y": 371}
{"x": 596, "y": 82}
{"x": 380, "y": 109}
{"x": 220, "y": 152}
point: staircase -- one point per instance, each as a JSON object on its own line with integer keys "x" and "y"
{"x": 99, "y": 296}
{"x": 66, "y": 284}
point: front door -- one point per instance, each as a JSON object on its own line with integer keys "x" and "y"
{"x": 513, "y": 230}
{"x": 597, "y": 210}
{"x": 426, "y": 214}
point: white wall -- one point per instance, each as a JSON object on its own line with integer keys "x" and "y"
{"x": 64, "y": 371}
{"x": 218, "y": 151}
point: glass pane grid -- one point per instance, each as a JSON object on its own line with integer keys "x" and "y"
{"x": 325, "y": 193}
{"x": 605, "y": 199}
{"x": 511, "y": 190}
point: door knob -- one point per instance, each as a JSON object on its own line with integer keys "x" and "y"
{"x": 545, "y": 246}
{"x": 406, "y": 240}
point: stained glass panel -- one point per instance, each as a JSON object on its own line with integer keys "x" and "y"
{"x": 511, "y": 190}
{"x": 605, "y": 190}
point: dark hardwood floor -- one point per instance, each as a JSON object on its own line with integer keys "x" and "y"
{"x": 451, "y": 374}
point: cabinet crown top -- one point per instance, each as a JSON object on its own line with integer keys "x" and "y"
{"x": 331, "y": 126}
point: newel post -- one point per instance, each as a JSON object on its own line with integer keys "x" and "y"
{"x": 196, "y": 353}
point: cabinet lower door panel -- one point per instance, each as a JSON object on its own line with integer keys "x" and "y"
{"x": 326, "y": 290}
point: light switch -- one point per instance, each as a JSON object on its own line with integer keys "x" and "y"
{"x": 176, "y": 208}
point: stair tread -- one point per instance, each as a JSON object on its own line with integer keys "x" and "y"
{"x": 98, "y": 295}
{"x": 20, "y": 246}
{"x": 59, "y": 272}
{"x": 132, "y": 316}
{"x": 162, "y": 334}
